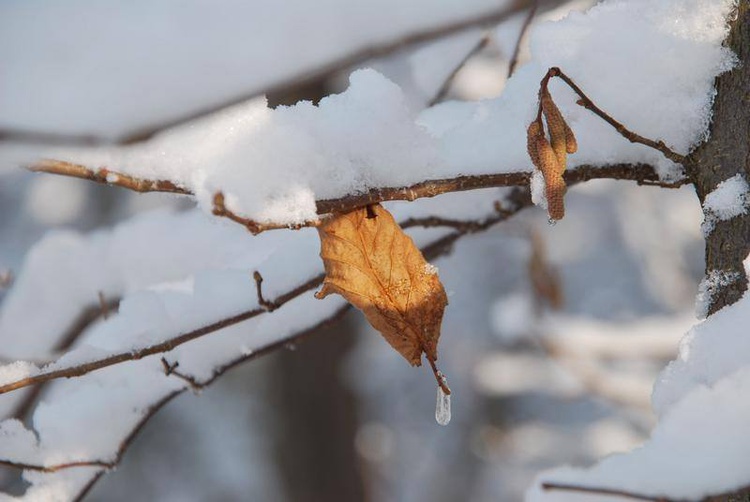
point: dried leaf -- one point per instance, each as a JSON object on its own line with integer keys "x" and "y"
{"x": 372, "y": 263}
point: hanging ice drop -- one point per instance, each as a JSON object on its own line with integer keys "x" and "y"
{"x": 443, "y": 405}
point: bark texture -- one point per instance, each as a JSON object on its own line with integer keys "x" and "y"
{"x": 724, "y": 155}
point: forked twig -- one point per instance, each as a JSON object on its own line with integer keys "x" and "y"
{"x": 170, "y": 369}
{"x": 587, "y": 103}
{"x": 266, "y": 304}
{"x": 254, "y": 227}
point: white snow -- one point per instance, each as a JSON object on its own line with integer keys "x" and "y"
{"x": 698, "y": 448}
{"x": 728, "y": 200}
{"x": 710, "y": 284}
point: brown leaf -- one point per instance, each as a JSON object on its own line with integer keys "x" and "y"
{"x": 372, "y": 263}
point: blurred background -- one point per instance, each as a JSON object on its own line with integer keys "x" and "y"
{"x": 552, "y": 339}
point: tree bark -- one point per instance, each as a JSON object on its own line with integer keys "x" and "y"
{"x": 724, "y": 155}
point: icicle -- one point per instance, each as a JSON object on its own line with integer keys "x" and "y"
{"x": 443, "y": 405}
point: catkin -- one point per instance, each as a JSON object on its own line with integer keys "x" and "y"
{"x": 546, "y": 160}
{"x": 558, "y": 128}
{"x": 532, "y": 134}
{"x": 555, "y": 191}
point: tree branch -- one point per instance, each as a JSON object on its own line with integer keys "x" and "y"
{"x": 289, "y": 84}
{"x": 515, "y": 201}
{"x": 56, "y": 467}
{"x": 611, "y": 492}
{"x": 437, "y": 248}
{"x": 642, "y": 173}
{"x": 165, "y": 346}
{"x": 86, "y": 318}
{"x": 738, "y": 495}
{"x": 442, "y": 92}
{"x": 105, "y": 176}
{"x": 525, "y": 28}
{"x": 587, "y": 103}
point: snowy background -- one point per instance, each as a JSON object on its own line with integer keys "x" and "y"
{"x": 341, "y": 416}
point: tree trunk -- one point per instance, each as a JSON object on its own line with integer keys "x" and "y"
{"x": 724, "y": 155}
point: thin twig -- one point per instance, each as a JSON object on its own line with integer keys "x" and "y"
{"x": 587, "y": 103}
{"x": 103, "y": 306}
{"x": 612, "y": 492}
{"x": 439, "y": 377}
{"x": 165, "y": 346}
{"x": 105, "y": 176}
{"x": 521, "y": 34}
{"x": 254, "y": 227}
{"x": 170, "y": 369}
{"x": 87, "y": 317}
{"x": 442, "y": 92}
{"x": 268, "y": 305}
{"x": 56, "y": 467}
{"x": 437, "y": 221}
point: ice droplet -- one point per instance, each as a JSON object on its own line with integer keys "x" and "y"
{"x": 551, "y": 222}
{"x": 443, "y": 405}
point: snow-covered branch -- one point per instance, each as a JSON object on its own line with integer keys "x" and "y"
{"x": 641, "y": 173}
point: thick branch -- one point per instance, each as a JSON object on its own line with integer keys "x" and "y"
{"x": 642, "y": 173}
